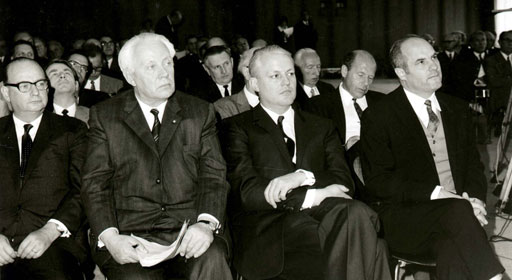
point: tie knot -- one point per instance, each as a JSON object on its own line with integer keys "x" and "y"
{"x": 154, "y": 112}
{"x": 428, "y": 103}
{"x": 354, "y": 99}
{"x": 65, "y": 112}
{"x": 27, "y": 127}
{"x": 280, "y": 120}
{"x": 225, "y": 86}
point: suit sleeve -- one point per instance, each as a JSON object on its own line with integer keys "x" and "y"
{"x": 495, "y": 76}
{"x": 212, "y": 184}
{"x": 97, "y": 191}
{"x": 70, "y": 211}
{"x": 383, "y": 178}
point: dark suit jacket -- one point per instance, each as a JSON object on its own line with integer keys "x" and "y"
{"x": 465, "y": 70}
{"x": 302, "y": 98}
{"x": 397, "y": 161}
{"x": 330, "y": 106}
{"x": 499, "y": 78}
{"x": 256, "y": 154}
{"x": 88, "y": 97}
{"x": 148, "y": 189}
{"x": 51, "y": 186}
{"x": 446, "y": 68}
{"x": 209, "y": 91}
{"x": 110, "y": 85}
{"x": 232, "y": 105}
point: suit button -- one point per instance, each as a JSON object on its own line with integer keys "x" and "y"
{"x": 18, "y": 208}
{"x": 433, "y": 154}
{"x": 163, "y": 208}
{"x": 158, "y": 181}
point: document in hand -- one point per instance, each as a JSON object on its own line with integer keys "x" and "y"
{"x": 158, "y": 253}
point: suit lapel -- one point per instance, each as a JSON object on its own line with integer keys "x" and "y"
{"x": 242, "y": 102}
{"x": 340, "y": 114}
{"x": 170, "y": 122}
{"x": 262, "y": 119}
{"x": 135, "y": 119}
{"x": 9, "y": 144}
{"x": 43, "y": 136}
{"x": 412, "y": 124}
{"x": 302, "y": 136}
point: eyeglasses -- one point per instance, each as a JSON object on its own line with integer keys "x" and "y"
{"x": 25, "y": 87}
{"x": 78, "y": 64}
{"x": 107, "y": 43}
{"x": 97, "y": 69}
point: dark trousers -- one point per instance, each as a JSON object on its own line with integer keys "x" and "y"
{"x": 56, "y": 263}
{"x": 213, "y": 264}
{"x": 336, "y": 240}
{"x": 447, "y": 230}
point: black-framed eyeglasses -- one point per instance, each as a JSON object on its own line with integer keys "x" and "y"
{"x": 97, "y": 69}
{"x": 78, "y": 64}
{"x": 104, "y": 43}
{"x": 25, "y": 87}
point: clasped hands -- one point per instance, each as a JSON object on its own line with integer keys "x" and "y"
{"x": 477, "y": 204}
{"x": 32, "y": 247}
{"x": 279, "y": 187}
{"x": 123, "y": 248}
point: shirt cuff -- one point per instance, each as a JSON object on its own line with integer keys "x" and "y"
{"x": 209, "y": 218}
{"x": 100, "y": 243}
{"x": 61, "y": 227}
{"x": 310, "y": 178}
{"x": 309, "y": 199}
{"x": 435, "y": 193}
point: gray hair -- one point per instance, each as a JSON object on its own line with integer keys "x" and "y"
{"x": 259, "y": 53}
{"x": 127, "y": 54}
{"x": 297, "y": 58}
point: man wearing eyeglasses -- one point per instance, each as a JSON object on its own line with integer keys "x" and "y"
{"x": 110, "y": 65}
{"x": 40, "y": 157}
{"x": 98, "y": 81}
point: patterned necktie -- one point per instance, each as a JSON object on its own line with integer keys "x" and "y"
{"x": 226, "y": 91}
{"x": 358, "y": 108}
{"x": 92, "y": 85}
{"x": 26, "y": 147}
{"x": 155, "y": 131}
{"x": 290, "y": 144}
{"x": 433, "y": 120}
{"x": 65, "y": 112}
{"x": 312, "y": 92}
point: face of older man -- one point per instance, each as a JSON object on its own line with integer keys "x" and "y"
{"x": 80, "y": 63}
{"x": 506, "y": 43}
{"x": 359, "y": 77}
{"x": 153, "y": 74}
{"x": 23, "y": 50}
{"x": 33, "y": 101}
{"x": 61, "y": 78}
{"x": 220, "y": 68}
{"x": 274, "y": 80}
{"x": 423, "y": 74}
{"x": 478, "y": 43}
{"x": 310, "y": 69}
{"x": 40, "y": 47}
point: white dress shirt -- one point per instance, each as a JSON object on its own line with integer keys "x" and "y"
{"x": 480, "y": 57}
{"x": 71, "y": 109}
{"x": 352, "y": 121}
{"x": 252, "y": 98}
{"x": 20, "y": 130}
{"x": 97, "y": 84}
{"x": 308, "y": 89}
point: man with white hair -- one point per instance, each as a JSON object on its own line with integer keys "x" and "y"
{"x": 308, "y": 77}
{"x": 153, "y": 162}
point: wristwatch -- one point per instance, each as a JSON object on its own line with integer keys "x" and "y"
{"x": 214, "y": 227}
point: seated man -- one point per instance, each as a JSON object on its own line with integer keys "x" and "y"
{"x": 293, "y": 217}
{"x": 422, "y": 170}
{"x": 40, "y": 159}
{"x": 154, "y": 161}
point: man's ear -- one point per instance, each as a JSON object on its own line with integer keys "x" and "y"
{"x": 400, "y": 72}
{"x": 128, "y": 75}
{"x": 253, "y": 83}
{"x": 5, "y": 93}
{"x": 206, "y": 69}
{"x": 344, "y": 71}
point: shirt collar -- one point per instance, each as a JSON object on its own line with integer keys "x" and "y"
{"x": 20, "y": 130}
{"x": 146, "y": 110}
{"x": 346, "y": 97}
{"x": 71, "y": 109}
{"x": 252, "y": 98}
{"x": 505, "y": 56}
{"x": 221, "y": 87}
{"x": 288, "y": 115}
{"x": 419, "y": 102}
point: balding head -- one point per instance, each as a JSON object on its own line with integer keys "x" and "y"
{"x": 358, "y": 71}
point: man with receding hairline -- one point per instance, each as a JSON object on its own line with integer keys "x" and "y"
{"x": 422, "y": 170}
{"x": 40, "y": 159}
{"x": 292, "y": 212}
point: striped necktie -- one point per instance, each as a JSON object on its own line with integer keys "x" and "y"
{"x": 155, "y": 131}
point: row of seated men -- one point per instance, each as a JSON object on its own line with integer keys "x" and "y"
{"x": 268, "y": 187}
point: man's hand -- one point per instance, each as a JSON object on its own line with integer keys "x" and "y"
{"x": 122, "y": 247}
{"x": 333, "y": 190}
{"x": 279, "y": 187}
{"x": 7, "y": 253}
{"x": 37, "y": 242}
{"x": 196, "y": 241}
{"x": 478, "y": 208}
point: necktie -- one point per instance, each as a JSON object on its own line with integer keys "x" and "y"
{"x": 226, "y": 91}
{"x": 26, "y": 147}
{"x": 482, "y": 57}
{"x": 358, "y": 108}
{"x": 65, "y": 112}
{"x": 92, "y": 85}
{"x": 290, "y": 145}
{"x": 433, "y": 120}
{"x": 312, "y": 92}
{"x": 155, "y": 131}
